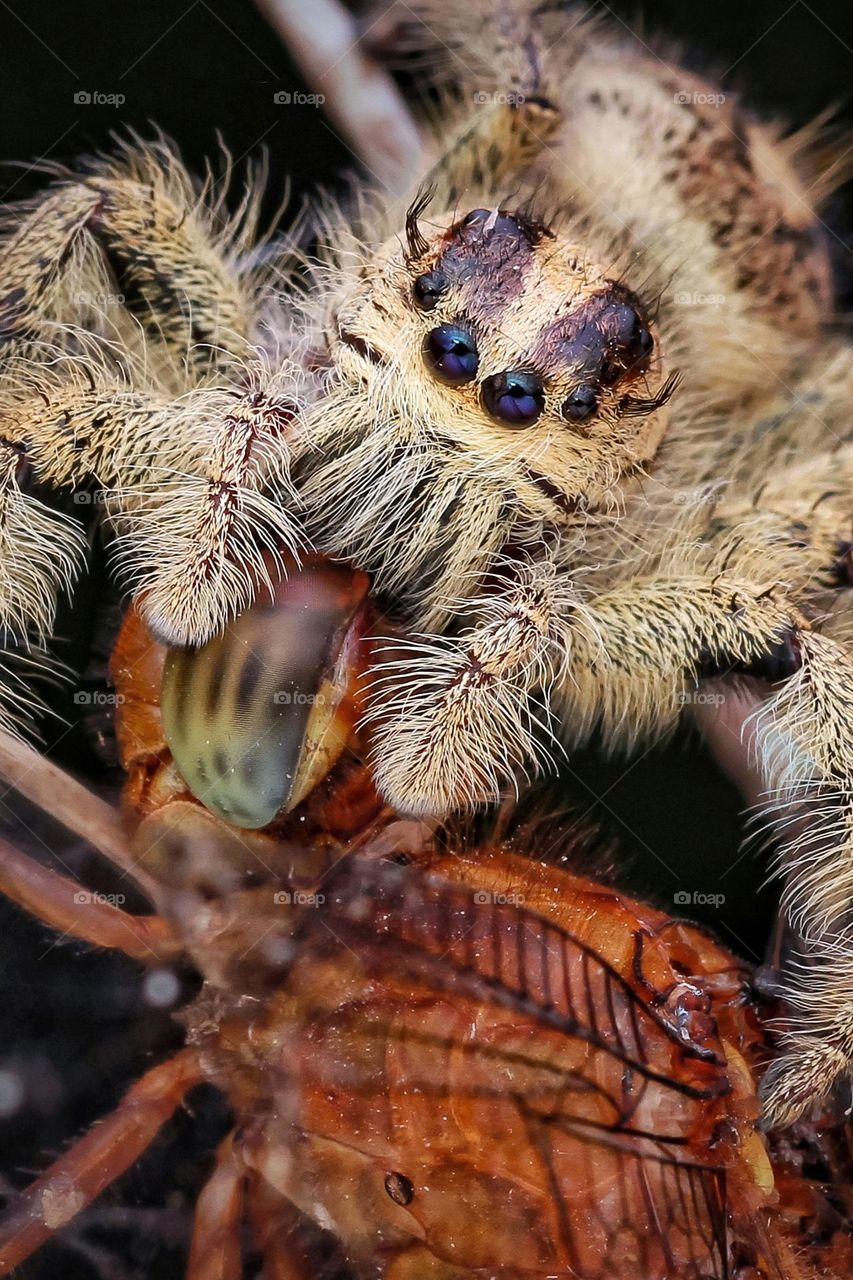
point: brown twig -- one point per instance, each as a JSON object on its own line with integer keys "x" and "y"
{"x": 358, "y": 94}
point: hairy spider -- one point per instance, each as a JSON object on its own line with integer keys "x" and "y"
{"x": 444, "y": 1056}
{"x": 577, "y": 413}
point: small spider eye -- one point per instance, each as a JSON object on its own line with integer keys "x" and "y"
{"x": 644, "y": 341}
{"x": 516, "y": 399}
{"x": 581, "y": 404}
{"x": 451, "y": 353}
{"x": 633, "y": 338}
{"x": 475, "y": 216}
{"x": 427, "y": 290}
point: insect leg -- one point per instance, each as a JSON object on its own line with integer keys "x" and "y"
{"x": 215, "y": 1252}
{"x": 60, "y": 903}
{"x": 97, "y": 1159}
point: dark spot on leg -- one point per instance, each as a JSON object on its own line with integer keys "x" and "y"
{"x": 778, "y": 662}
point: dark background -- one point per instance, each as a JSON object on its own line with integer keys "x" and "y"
{"x": 75, "y": 1027}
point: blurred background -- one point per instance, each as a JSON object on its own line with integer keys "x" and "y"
{"x": 77, "y": 1026}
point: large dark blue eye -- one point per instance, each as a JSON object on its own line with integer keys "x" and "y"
{"x": 451, "y": 353}
{"x": 516, "y": 399}
{"x": 581, "y": 404}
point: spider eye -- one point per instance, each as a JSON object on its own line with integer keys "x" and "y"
{"x": 427, "y": 290}
{"x": 476, "y": 216}
{"x": 451, "y": 353}
{"x": 644, "y": 341}
{"x": 581, "y": 404}
{"x": 632, "y": 336}
{"x": 516, "y": 399}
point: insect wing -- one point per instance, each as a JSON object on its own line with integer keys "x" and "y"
{"x": 547, "y": 1120}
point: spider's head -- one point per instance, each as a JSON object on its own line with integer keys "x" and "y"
{"x": 503, "y": 339}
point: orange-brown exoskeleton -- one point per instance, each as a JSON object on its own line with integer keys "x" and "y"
{"x": 444, "y": 1054}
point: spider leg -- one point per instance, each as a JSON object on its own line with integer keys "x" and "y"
{"x": 197, "y": 488}
{"x": 654, "y": 641}
{"x": 215, "y": 1252}
{"x": 135, "y": 229}
{"x": 97, "y": 1159}
{"x": 798, "y": 514}
{"x": 63, "y": 904}
{"x": 161, "y": 401}
{"x": 453, "y": 720}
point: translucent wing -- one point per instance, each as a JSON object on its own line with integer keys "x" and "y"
{"x": 547, "y": 1115}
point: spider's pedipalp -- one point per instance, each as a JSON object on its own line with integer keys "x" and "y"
{"x": 816, "y": 1050}
{"x": 456, "y": 720}
{"x": 197, "y": 487}
{"x": 199, "y": 534}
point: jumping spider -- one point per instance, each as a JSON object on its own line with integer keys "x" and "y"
{"x": 576, "y": 412}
